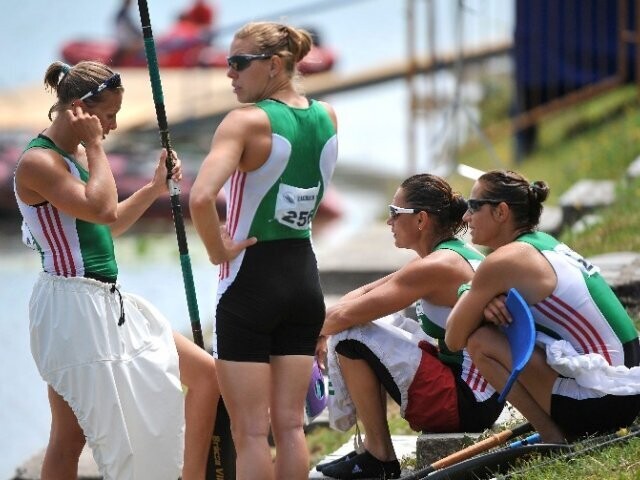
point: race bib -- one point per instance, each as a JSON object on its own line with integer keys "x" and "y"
{"x": 577, "y": 260}
{"x": 295, "y": 206}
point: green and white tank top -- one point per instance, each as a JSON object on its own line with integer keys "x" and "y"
{"x": 68, "y": 247}
{"x": 583, "y": 309}
{"x": 279, "y": 199}
{"x": 433, "y": 319}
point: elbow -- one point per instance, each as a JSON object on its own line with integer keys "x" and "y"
{"x": 453, "y": 344}
{"x": 216, "y": 260}
{"x": 107, "y": 216}
{"x": 199, "y": 201}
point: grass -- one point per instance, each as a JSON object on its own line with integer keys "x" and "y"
{"x": 597, "y": 139}
{"x": 616, "y": 462}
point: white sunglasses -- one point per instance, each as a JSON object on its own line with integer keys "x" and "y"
{"x": 395, "y": 211}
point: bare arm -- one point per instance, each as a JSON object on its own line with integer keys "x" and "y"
{"x": 132, "y": 208}
{"x": 42, "y": 175}
{"x": 433, "y": 277}
{"x": 227, "y": 148}
{"x": 516, "y": 265}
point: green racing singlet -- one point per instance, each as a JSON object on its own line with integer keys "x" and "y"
{"x": 68, "y": 247}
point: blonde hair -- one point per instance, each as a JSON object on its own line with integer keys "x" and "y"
{"x": 70, "y": 83}
{"x": 289, "y": 43}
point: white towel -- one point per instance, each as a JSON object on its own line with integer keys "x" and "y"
{"x": 591, "y": 370}
{"x": 394, "y": 340}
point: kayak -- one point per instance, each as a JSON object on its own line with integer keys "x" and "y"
{"x": 184, "y": 46}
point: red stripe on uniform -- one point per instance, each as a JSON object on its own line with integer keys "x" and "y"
{"x": 57, "y": 238}
{"x": 237, "y": 189}
{"x": 593, "y": 334}
{"x": 46, "y": 226}
{"x": 63, "y": 237}
{"x": 473, "y": 377}
{"x": 568, "y": 325}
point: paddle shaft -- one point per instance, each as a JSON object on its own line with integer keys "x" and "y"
{"x": 174, "y": 190}
{"x": 470, "y": 451}
{"x": 221, "y": 462}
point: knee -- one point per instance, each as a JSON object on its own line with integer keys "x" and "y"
{"x": 480, "y": 342}
{"x": 66, "y": 444}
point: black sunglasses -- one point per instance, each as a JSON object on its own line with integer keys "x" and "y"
{"x": 475, "y": 204}
{"x": 112, "y": 82}
{"x": 242, "y": 61}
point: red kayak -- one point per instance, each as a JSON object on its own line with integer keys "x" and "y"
{"x": 184, "y": 46}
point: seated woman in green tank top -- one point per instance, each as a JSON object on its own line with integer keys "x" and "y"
{"x": 583, "y": 332}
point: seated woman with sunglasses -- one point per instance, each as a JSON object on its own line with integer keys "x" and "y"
{"x": 578, "y": 380}
{"x": 113, "y": 367}
{"x": 275, "y": 159}
{"x": 438, "y": 390}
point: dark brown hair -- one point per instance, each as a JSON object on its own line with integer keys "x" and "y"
{"x": 434, "y": 195}
{"x": 523, "y": 197}
{"x": 70, "y": 83}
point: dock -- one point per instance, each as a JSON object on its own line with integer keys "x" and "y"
{"x": 199, "y": 94}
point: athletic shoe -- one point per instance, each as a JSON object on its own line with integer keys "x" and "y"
{"x": 349, "y": 455}
{"x": 363, "y": 466}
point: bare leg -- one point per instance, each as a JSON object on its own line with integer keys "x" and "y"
{"x": 291, "y": 375}
{"x": 66, "y": 441}
{"x": 370, "y": 402}
{"x": 531, "y": 393}
{"x": 198, "y": 373}
{"x": 245, "y": 387}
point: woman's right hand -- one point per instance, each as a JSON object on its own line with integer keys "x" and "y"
{"x": 86, "y": 126}
{"x": 321, "y": 352}
{"x": 232, "y": 248}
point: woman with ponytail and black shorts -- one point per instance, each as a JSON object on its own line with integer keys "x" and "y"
{"x": 275, "y": 159}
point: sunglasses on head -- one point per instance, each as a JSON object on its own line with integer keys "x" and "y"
{"x": 394, "y": 211}
{"x": 241, "y": 61}
{"x": 112, "y": 82}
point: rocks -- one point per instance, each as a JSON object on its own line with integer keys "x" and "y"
{"x": 87, "y": 468}
{"x": 586, "y": 196}
{"x": 622, "y": 271}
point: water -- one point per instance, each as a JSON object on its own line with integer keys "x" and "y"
{"x": 373, "y": 124}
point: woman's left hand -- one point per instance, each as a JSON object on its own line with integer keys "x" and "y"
{"x": 160, "y": 176}
{"x": 496, "y": 311}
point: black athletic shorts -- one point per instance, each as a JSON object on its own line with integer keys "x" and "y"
{"x": 591, "y": 416}
{"x": 274, "y": 306}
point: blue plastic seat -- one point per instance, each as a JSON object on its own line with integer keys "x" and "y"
{"x": 521, "y": 333}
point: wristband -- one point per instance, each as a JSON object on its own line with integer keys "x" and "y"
{"x": 463, "y": 288}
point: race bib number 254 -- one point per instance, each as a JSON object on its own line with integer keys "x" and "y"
{"x": 295, "y": 206}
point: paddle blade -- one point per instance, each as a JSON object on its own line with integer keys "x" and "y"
{"x": 521, "y": 334}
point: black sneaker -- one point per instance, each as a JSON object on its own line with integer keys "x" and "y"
{"x": 322, "y": 466}
{"x": 363, "y": 466}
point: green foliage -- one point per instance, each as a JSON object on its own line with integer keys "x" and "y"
{"x": 617, "y": 230}
{"x": 616, "y": 462}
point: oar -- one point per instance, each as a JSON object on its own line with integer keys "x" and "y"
{"x": 222, "y": 454}
{"x": 470, "y": 451}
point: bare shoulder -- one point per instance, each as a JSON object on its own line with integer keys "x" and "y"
{"x": 446, "y": 262}
{"x": 444, "y": 265}
{"x": 507, "y": 263}
{"x": 39, "y": 161}
{"x": 330, "y": 110}
{"x": 246, "y": 117}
